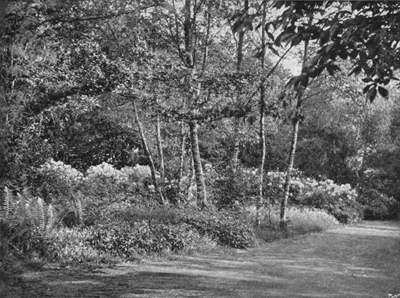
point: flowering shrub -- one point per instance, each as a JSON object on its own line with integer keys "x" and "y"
{"x": 62, "y": 171}
{"x": 338, "y": 200}
{"x": 58, "y": 180}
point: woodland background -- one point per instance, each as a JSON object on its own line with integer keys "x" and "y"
{"x": 133, "y": 127}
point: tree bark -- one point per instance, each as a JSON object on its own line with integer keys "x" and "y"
{"x": 4, "y": 130}
{"x": 182, "y": 157}
{"x": 262, "y": 125}
{"x": 194, "y": 95}
{"x": 237, "y": 121}
{"x": 283, "y": 217}
{"x": 296, "y": 123}
{"x": 160, "y": 152}
{"x": 200, "y": 181}
{"x": 148, "y": 155}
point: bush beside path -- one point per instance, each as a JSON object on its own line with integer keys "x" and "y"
{"x": 354, "y": 261}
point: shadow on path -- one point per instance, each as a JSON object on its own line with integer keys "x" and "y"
{"x": 348, "y": 262}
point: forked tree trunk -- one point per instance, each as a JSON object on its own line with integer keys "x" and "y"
{"x": 148, "y": 155}
{"x": 198, "y": 169}
{"x": 194, "y": 95}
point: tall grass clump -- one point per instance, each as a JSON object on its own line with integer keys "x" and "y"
{"x": 300, "y": 221}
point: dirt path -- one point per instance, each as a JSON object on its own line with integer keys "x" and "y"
{"x": 362, "y": 261}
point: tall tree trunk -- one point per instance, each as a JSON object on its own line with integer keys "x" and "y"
{"x": 262, "y": 124}
{"x": 296, "y": 123}
{"x": 283, "y": 219}
{"x": 198, "y": 169}
{"x": 148, "y": 155}
{"x": 160, "y": 152}
{"x": 194, "y": 96}
{"x": 237, "y": 121}
{"x": 182, "y": 157}
{"x": 4, "y": 129}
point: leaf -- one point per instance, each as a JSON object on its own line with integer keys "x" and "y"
{"x": 343, "y": 55}
{"x": 292, "y": 81}
{"x": 332, "y": 68}
{"x": 317, "y": 71}
{"x": 270, "y": 36}
{"x": 383, "y": 92}
{"x": 367, "y": 80}
{"x": 356, "y": 71}
{"x": 332, "y": 30}
{"x": 296, "y": 40}
{"x": 270, "y": 46}
{"x": 324, "y": 38}
{"x": 371, "y": 94}
{"x": 366, "y": 88}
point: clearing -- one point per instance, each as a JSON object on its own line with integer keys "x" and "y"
{"x": 355, "y": 261}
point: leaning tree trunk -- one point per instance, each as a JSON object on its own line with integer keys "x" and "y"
{"x": 198, "y": 169}
{"x": 296, "y": 123}
{"x": 148, "y": 155}
{"x": 283, "y": 219}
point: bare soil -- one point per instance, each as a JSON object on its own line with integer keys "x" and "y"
{"x": 356, "y": 261}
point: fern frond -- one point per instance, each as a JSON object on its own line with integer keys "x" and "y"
{"x": 26, "y": 191}
{"x": 23, "y": 205}
{"x": 41, "y": 216}
{"x": 50, "y": 217}
{"x": 7, "y": 203}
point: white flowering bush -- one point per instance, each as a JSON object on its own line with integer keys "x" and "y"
{"x": 58, "y": 181}
{"x": 106, "y": 171}
{"x": 338, "y": 200}
{"x": 140, "y": 172}
{"x": 62, "y": 171}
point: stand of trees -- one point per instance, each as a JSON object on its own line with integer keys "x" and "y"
{"x": 196, "y": 82}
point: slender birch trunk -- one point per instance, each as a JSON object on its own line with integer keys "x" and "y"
{"x": 182, "y": 157}
{"x": 296, "y": 124}
{"x": 262, "y": 124}
{"x": 283, "y": 219}
{"x": 198, "y": 169}
{"x": 160, "y": 152}
{"x": 148, "y": 155}
{"x": 237, "y": 121}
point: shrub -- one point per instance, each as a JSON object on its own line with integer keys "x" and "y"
{"x": 57, "y": 181}
{"x": 343, "y": 208}
{"x": 378, "y": 206}
{"x": 70, "y": 246}
{"x": 141, "y": 238}
{"x": 226, "y": 227}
